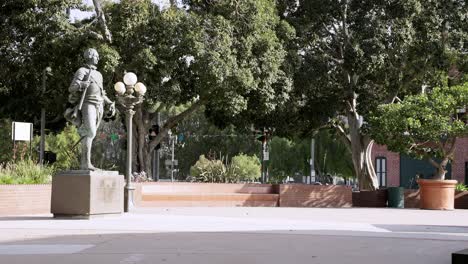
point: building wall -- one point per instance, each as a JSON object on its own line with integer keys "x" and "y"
{"x": 461, "y": 157}
{"x": 458, "y": 167}
{"x": 393, "y": 163}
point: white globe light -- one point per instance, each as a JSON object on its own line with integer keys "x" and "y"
{"x": 140, "y": 88}
{"x": 119, "y": 88}
{"x": 130, "y": 78}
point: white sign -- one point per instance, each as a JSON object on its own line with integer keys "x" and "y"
{"x": 21, "y": 131}
{"x": 266, "y": 155}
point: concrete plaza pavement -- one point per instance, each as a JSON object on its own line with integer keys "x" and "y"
{"x": 238, "y": 235}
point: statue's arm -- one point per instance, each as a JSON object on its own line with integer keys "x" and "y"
{"x": 78, "y": 85}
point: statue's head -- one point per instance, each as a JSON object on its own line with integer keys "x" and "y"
{"x": 91, "y": 56}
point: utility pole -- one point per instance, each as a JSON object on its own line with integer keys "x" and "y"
{"x": 312, "y": 158}
{"x": 172, "y": 159}
{"x": 46, "y": 71}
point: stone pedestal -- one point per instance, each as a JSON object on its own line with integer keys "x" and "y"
{"x": 84, "y": 194}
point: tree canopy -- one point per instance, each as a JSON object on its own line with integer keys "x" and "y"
{"x": 424, "y": 126}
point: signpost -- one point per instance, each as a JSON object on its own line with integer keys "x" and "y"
{"x": 21, "y": 131}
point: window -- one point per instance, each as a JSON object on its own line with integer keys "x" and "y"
{"x": 381, "y": 170}
{"x": 466, "y": 172}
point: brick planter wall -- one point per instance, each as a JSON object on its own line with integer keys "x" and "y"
{"x": 377, "y": 198}
{"x": 24, "y": 199}
{"x": 303, "y": 195}
{"x": 169, "y": 194}
{"x": 461, "y": 200}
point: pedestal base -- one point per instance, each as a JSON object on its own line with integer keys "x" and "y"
{"x": 83, "y": 194}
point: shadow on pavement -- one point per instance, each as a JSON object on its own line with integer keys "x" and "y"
{"x": 226, "y": 248}
{"x": 425, "y": 229}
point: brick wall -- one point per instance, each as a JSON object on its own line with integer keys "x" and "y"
{"x": 461, "y": 156}
{"x": 24, "y": 199}
{"x": 393, "y": 164}
{"x": 303, "y": 195}
{"x": 174, "y": 194}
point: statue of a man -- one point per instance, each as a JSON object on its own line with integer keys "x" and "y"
{"x": 89, "y": 98}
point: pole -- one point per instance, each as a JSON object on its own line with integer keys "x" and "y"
{"x": 312, "y": 159}
{"x": 42, "y": 144}
{"x": 263, "y": 159}
{"x": 157, "y": 156}
{"x": 128, "y": 203}
{"x": 172, "y": 159}
{"x": 43, "y": 117}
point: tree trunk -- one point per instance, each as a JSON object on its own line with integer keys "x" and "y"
{"x": 440, "y": 171}
{"x": 102, "y": 20}
{"x": 170, "y": 123}
{"x": 361, "y": 148}
{"x": 141, "y": 130}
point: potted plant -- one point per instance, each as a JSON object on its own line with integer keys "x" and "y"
{"x": 426, "y": 126}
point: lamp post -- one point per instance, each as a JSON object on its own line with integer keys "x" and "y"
{"x": 172, "y": 139}
{"x": 129, "y": 94}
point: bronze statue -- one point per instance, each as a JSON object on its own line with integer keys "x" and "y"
{"x": 88, "y": 97}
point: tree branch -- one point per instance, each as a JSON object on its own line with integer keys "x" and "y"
{"x": 102, "y": 20}
{"x": 172, "y": 122}
{"x": 344, "y": 135}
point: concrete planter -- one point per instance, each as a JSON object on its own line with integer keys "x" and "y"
{"x": 437, "y": 194}
{"x": 461, "y": 200}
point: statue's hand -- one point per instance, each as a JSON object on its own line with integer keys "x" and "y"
{"x": 112, "y": 108}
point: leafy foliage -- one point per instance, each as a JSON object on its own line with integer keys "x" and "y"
{"x": 6, "y": 145}
{"x": 25, "y": 172}
{"x": 461, "y": 188}
{"x": 63, "y": 144}
{"x": 206, "y": 170}
{"x": 423, "y": 126}
{"x": 243, "y": 168}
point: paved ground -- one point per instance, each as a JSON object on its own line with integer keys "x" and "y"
{"x": 238, "y": 235}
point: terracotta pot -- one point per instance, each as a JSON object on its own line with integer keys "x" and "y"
{"x": 437, "y": 194}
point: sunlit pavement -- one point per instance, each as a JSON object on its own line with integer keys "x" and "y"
{"x": 238, "y": 235}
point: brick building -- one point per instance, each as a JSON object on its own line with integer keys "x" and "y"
{"x": 394, "y": 169}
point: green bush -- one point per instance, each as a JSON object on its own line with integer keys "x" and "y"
{"x": 25, "y": 172}
{"x": 461, "y": 187}
{"x": 243, "y": 168}
{"x": 206, "y": 170}
{"x": 62, "y": 144}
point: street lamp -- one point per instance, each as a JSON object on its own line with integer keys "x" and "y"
{"x": 125, "y": 96}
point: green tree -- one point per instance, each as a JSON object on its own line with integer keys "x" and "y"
{"x": 227, "y": 61}
{"x": 354, "y": 55}
{"x": 424, "y": 126}
{"x": 245, "y": 168}
{"x": 200, "y": 137}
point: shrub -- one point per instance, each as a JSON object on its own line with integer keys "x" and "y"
{"x": 245, "y": 168}
{"x": 63, "y": 145}
{"x": 25, "y": 172}
{"x": 206, "y": 170}
{"x": 242, "y": 168}
{"x": 461, "y": 187}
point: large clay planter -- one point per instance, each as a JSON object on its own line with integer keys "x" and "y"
{"x": 437, "y": 194}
